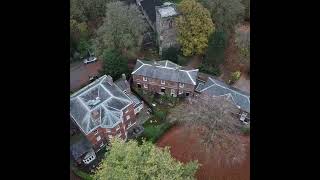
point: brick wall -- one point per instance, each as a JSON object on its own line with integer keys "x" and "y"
{"x": 154, "y": 85}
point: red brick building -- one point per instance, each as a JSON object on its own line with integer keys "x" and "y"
{"x": 164, "y": 77}
{"x": 102, "y": 110}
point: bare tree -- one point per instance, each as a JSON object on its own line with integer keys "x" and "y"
{"x": 214, "y": 121}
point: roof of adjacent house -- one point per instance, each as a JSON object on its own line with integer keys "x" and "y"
{"x": 98, "y": 104}
{"x": 166, "y": 70}
{"x": 214, "y": 87}
{"x": 149, "y": 7}
{"x": 80, "y": 148}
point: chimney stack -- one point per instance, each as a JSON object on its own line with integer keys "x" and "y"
{"x": 109, "y": 79}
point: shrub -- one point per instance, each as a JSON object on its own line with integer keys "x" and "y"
{"x": 161, "y": 115}
{"x": 208, "y": 69}
{"x": 215, "y": 52}
{"x": 152, "y": 132}
{"x": 170, "y": 54}
{"x": 182, "y": 60}
{"x": 235, "y": 76}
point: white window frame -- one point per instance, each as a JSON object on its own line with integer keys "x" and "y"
{"x": 101, "y": 144}
{"x": 163, "y": 82}
{"x": 181, "y": 85}
{"x": 144, "y": 78}
{"x": 110, "y": 136}
{"x": 108, "y": 130}
{"x": 180, "y": 92}
{"x": 127, "y": 111}
{"x": 98, "y": 138}
{"x": 145, "y": 85}
{"x": 128, "y": 117}
{"x": 118, "y": 127}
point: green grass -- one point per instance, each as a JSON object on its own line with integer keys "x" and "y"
{"x": 153, "y": 131}
{"x": 81, "y": 174}
{"x": 245, "y": 130}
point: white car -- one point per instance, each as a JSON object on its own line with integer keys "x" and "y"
{"x": 89, "y": 60}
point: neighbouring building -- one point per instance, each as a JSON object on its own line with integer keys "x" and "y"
{"x": 160, "y": 17}
{"x": 164, "y": 77}
{"x": 102, "y": 110}
{"x": 213, "y": 88}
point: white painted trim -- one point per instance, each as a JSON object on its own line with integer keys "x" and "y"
{"x": 83, "y": 103}
{"x": 78, "y": 124}
{"x": 194, "y": 83}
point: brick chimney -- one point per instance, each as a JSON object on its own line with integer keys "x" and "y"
{"x": 109, "y": 79}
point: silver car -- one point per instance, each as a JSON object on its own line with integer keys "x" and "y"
{"x": 89, "y": 60}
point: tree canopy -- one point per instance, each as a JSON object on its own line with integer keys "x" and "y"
{"x": 84, "y": 10}
{"x": 217, "y": 126}
{"x": 146, "y": 161}
{"x": 122, "y": 29}
{"x": 225, "y": 13}
{"x": 114, "y": 64}
{"x": 194, "y": 27}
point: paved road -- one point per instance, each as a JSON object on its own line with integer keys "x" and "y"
{"x": 80, "y": 72}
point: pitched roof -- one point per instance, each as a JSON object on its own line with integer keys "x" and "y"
{"x": 98, "y": 104}
{"x": 149, "y": 7}
{"x": 214, "y": 87}
{"x": 124, "y": 85}
{"x": 165, "y": 70}
{"x": 121, "y": 83}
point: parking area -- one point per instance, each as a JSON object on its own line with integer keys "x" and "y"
{"x": 80, "y": 73}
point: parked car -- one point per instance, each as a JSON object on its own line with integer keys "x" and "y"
{"x": 89, "y": 60}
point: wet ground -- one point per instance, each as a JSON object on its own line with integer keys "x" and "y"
{"x": 80, "y": 73}
{"x": 185, "y": 147}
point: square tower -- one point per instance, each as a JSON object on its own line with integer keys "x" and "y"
{"x": 165, "y": 26}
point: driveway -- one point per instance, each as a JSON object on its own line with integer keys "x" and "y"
{"x": 80, "y": 73}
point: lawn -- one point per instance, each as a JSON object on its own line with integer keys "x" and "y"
{"x": 154, "y": 129}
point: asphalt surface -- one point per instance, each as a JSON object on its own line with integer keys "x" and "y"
{"x": 80, "y": 73}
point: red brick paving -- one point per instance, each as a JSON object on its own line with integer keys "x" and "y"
{"x": 185, "y": 147}
{"x": 80, "y": 72}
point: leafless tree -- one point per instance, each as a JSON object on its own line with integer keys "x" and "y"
{"x": 215, "y": 123}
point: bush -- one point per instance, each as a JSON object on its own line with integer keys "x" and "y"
{"x": 170, "y": 54}
{"x": 235, "y": 76}
{"x": 153, "y": 132}
{"x": 114, "y": 64}
{"x": 182, "y": 60}
{"x": 82, "y": 174}
{"x": 208, "y": 69}
{"x": 215, "y": 52}
{"x": 161, "y": 115}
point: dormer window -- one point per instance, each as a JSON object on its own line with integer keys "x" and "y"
{"x": 181, "y": 85}
{"x": 145, "y": 79}
{"x": 163, "y": 82}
